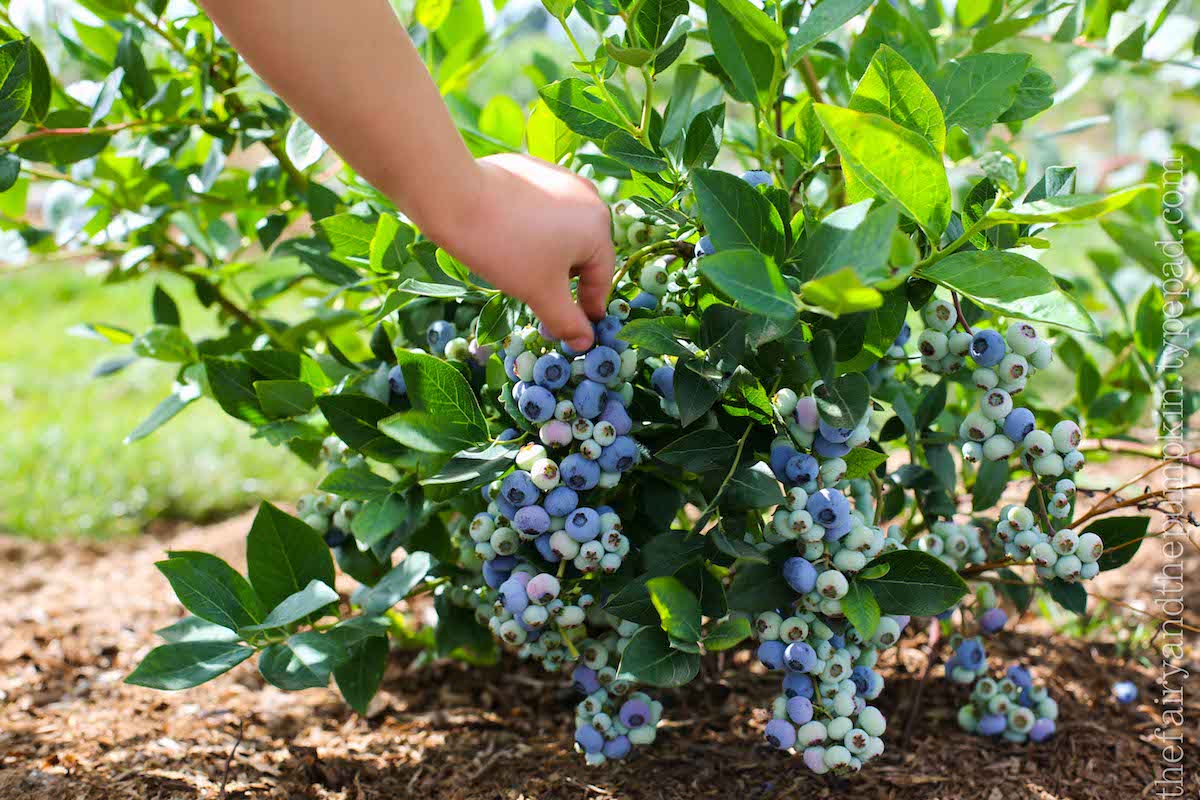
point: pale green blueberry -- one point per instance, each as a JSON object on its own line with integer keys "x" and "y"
{"x": 1050, "y": 465}
{"x": 1021, "y": 338}
{"x": 1068, "y": 568}
{"x": 833, "y": 470}
{"x": 1073, "y": 461}
{"x": 976, "y": 427}
{"x": 629, "y": 363}
{"x": 793, "y": 629}
{"x": 959, "y": 342}
{"x": 998, "y": 447}
{"x": 1021, "y": 517}
{"x": 838, "y": 727}
{"x": 1041, "y": 356}
{"x": 1089, "y": 547}
{"x": 939, "y": 315}
{"x": 1043, "y": 554}
{"x": 1012, "y": 368}
{"x": 766, "y": 626}
{"x": 785, "y": 401}
{"x": 932, "y": 344}
{"x": 1089, "y": 571}
{"x": 996, "y": 404}
{"x": 1066, "y": 436}
{"x": 985, "y": 378}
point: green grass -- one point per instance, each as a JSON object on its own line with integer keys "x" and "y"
{"x": 66, "y": 471}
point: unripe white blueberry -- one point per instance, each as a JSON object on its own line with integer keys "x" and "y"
{"x": 581, "y": 429}
{"x": 1064, "y": 542}
{"x": 505, "y": 541}
{"x": 793, "y": 629}
{"x": 998, "y": 447}
{"x": 1021, "y": 517}
{"x": 1065, "y": 486}
{"x": 565, "y": 411}
{"x": 985, "y": 378}
{"x": 958, "y": 343}
{"x": 481, "y": 528}
{"x": 976, "y": 427}
{"x": 535, "y": 616}
{"x": 563, "y": 545}
{"x": 952, "y": 364}
{"x": 629, "y": 364}
{"x": 590, "y": 449}
{"x": 1042, "y": 355}
{"x": 766, "y": 625}
{"x": 996, "y": 404}
{"x": 524, "y": 365}
{"x": 849, "y": 561}
{"x": 1073, "y": 461}
{"x": 619, "y": 308}
{"x": 837, "y": 757}
{"x": 1012, "y": 368}
{"x": 653, "y": 279}
{"x": 838, "y": 727}
{"x": 608, "y": 480}
{"x": 796, "y": 499}
{"x": 610, "y": 563}
{"x": 810, "y": 733}
{"x": 888, "y": 632}
{"x": 514, "y": 343}
{"x": 604, "y": 433}
{"x": 1038, "y": 443}
{"x": 859, "y": 436}
{"x": 1043, "y": 554}
{"x": 939, "y": 315}
{"x": 1089, "y": 548}
{"x": 1068, "y": 568}
{"x": 485, "y": 551}
{"x": 545, "y": 474}
{"x": 798, "y": 523}
{"x": 1049, "y": 465}
{"x": 972, "y": 452}
{"x": 1089, "y": 571}
{"x": 785, "y": 401}
{"x": 1021, "y": 338}
{"x": 932, "y": 344}
{"x": 871, "y": 720}
{"x": 833, "y": 470}
{"x": 1066, "y": 435}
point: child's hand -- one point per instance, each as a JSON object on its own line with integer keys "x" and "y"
{"x": 532, "y": 226}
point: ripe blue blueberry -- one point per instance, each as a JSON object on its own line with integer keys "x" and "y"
{"x": 590, "y": 739}
{"x": 831, "y": 510}
{"x": 618, "y": 747}
{"x": 704, "y": 247}
{"x": 970, "y": 654}
{"x": 619, "y": 456}
{"x": 510, "y": 368}
{"x": 832, "y": 434}
{"x": 498, "y": 570}
{"x": 542, "y": 543}
{"x": 583, "y": 679}
{"x": 552, "y": 371}
{"x": 827, "y": 449}
{"x": 801, "y": 469}
{"x": 512, "y": 596}
{"x": 518, "y": 489}
{"x": 439, "y": 334}
{"x": 781, "y": 454}
{"x": 1125, "y": 692}
{"x": 578, "y": 473}
{"x": 335, "y": 537}
{"x": 992, "y": 620}
{"x": 537, "y": 404}
{"x": 780, "y": 733}
{"x": 771, "y": 654}
{"x": 589, "y": 399}
{"x": 601, "y": 364}
{"x": 663, "y": 381}
{"x": 992, "y": 724}
{"x": 634, "y": 714}
{"x": 583, "y": 525}
{"x": 757, "y": 177}
{"x": 606, "y": 333}
{"x": 561, "y": 501}
{"x": 799, "y": 710}
{"x": 799, "y": 657}
{"x": 1020, "y": 676}
{"x": 1019, "y": 424}
{"x": 987, "y": 347}
{"x": 644, "y": 300}
{"x": 396, "y": 381}
{"x": 800, "y": 574}
{"x": 903, "y": 336}
{"x": 1042, "y": 730}
{"x": 797, "y": 684}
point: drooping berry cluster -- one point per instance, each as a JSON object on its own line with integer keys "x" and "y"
{"x": 1063, "y": 554}
{"x": 955, "y": 544}
{"x": 325, "y": 512}
{"x": 1011, "y": 707}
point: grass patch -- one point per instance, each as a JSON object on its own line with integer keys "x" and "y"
{"x": 66, "y": 470}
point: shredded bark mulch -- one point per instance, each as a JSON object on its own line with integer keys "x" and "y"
{"x": 75, "y": 619}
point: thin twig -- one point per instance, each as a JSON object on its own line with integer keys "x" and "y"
{"x": 958, "y": 309}
{"x": 229, "y": 758}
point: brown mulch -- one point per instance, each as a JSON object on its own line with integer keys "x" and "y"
{"x": 75, "y": 618}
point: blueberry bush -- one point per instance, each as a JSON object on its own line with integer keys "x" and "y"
{"x": 814, "y": 393}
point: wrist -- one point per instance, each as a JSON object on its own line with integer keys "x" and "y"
{"x": 444, "y": 207}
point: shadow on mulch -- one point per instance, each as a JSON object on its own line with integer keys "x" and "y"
{"x": 73, "y": 622}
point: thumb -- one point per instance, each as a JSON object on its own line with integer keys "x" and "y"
{"x": 559, "y": 313}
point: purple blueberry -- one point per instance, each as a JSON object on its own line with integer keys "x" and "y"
{"x": 510, "y": 368}
{"x": 616, "y": 414}
{"x": 578, "y": 473}
{"x": 799, "y": 657}
{"x": 797, "y": 684}
{"x": 606, "y": 333}
{"x": 396, "y": 381}
{"x": 634, "y": 714}
{"x": 1125, "y": 692}
{"x": 1042, "y": 730}
{"x": 992, "y": 620}
{"x": 583, "y": 679}
{"x": 987, "y": 347}
{"x": 827, "y": 449}
{"x": 771, "y": 654}
{"x": 537, "y": 404}
{"x": 970, "y": 653}
{"x": 601, "y": 364}
{"x": 780, "y": 733}
{"x": 644, "y": 300}
{"x": 617, "y": 748}
{"x": 903, "y": 336}
{"x": 831, "y": 510}
{"x": 619, "y": 456}
{"x": 1019, "y": 676}
{"x": 590, "y": 739}
{"x": 663, "y": 381}
{"x": 551, "y": 371}
{"x": 542, "y": 543}
{"x": 512, "y": 596}
{"x": 532, "y": 520}
{"x": 801, "y": 469}
{"x": 781, "y": 455}
{"x": 589, "y": 399}
{"x": 704, "y": 247}
{"x": 800, "y": 710}
{"x": 498, "y": 570}
{"x": 992, "y": 724}
{"x": 439, "y": 334}
{"x": 800, "y": 574}
{"x": 757, "y": 177}
{"x": 832, "y": 434}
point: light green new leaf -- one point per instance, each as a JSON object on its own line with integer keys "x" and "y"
{"x": 855, "y": 238}
{"x": 582, "y": 108}
{"x": 893, "y": 162}
{"x": 975, "y": 90}
{"x": 825, "y": 18}
{"x": 303, "y": 146}
{"x": 1010, "y": 284}
{"x": 1070, "y": 207}
{"x": 309, "y": 600}
{"x": 752, "y": 280}
{"x": 892, "y": 88}
{"x": 304, "y": 661}
{"x": 746, "y": 43}
{"x": 841, "y": 293}
{"x": 677, "y": 607}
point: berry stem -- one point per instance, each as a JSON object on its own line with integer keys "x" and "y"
{"x": 652, "y": 249}
{"x": 976, "y": 227}
{"x": 712, "y": 505}
{"x": 958, "y": 309}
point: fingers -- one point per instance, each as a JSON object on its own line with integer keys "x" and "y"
{"x": 595, "y": 279}
{"x": 563, "y": 317}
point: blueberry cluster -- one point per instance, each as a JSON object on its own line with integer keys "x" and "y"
{"x": 634, "y": 227}
{"x": 327, "y": 513}
{"x": 955, "y": 544}
{"x": 808, "y": 431}
{"x": 829, "y": 679}
{"x": 1011, "y": 707}
{"x": 611, "y": 719}
{"x": 1063, "y": 554}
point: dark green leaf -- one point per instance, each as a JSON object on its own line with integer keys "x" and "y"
{"x": 212, "y": 590}
{"x": 359, "y": 676}
{"x": 727, "y": 634}
{"x": 304, "y": 661}
{"x": 186, "y": 664}
{"x": 1122, "y": 536}
{"x": 650, "y": 659}
{"x": 917, "y": 584}
{"x": 284, "y": 555}
{"x": 396, "y": 585}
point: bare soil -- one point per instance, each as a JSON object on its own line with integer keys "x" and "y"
{"x": 75, "y": 618}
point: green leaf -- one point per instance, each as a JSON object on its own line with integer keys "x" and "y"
{"x": 975, "y": 90}
{"x": 349, "y": 235}
{"x": 284, "y": 365}
{"x": 165, "y": 343}
{"x": 633, "y": 603}
{"x": 378, "y": 517}
{"x": 841, "y": 293}
{"x": 396, "y": 585}
{"x": 296, "y": 607}
{"x": 303, "y": 146}
{"x": 438, "y": 389}
{"x": 753, "y": 487}
{"x": 495, "y": 319}
{"x": 16, "y": 83}
{"x": 284, "y": 398}
{"x": 893, "y": 162}
{"x": 1071, "y": 596}
{"x": 694, "y": 394}
{"x": 658, "y": 335}
{"x": 843, "y": 401}
{"x": 704, "y": 135}
{"x": 734, "y": 545}
{"x": 892, "y": 88}
{"x": 1010, "y": 284}
{"x": 862, "y": 461}
{"x": 1069, "y": 207}
{"x": 1148, "y": 322}
{"x": 212, "y": 590}
{"x": 358, "y": 483}
{"x": 825, "y": 18}
{"x": 432, "y": 14}
{"x": 990, "y": 483}
{"x": 360, "y": 675}
{"x": 650, "y": 659}
{"x": 861, "y": 608}
{"x": 194, "y": 629}
{"x": 623, "y": 147}
{"x": 727, "y": 634}
{"x": 887, "y": 26}
{"x": 700, "y": 451}
{"x": 917, "y": 584}
{"x": 677, "y": 607}
{"x": 1035, "y": 94}
{"x": 356, "y": 418}
{"x": 746, "y": 43}
{"x": 1122, "y": 538}
{"x": 182, "y": 395}
{"x": 582, "y": 108}
{"x": 475, "y": 466}
{"x": 110, "y": 90}
{"x": 63, "y": 150}
{"x": 284, "y": 555}
{"x": 854, "y": 237}
{"x": 735, "y": 215}
{"x": 232, "y": 386}
{"x": 182, "y": 665}
{"x": 759, "y": 586}
{"x": 752, "y": 280}
{"x": 304, "y": 661}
